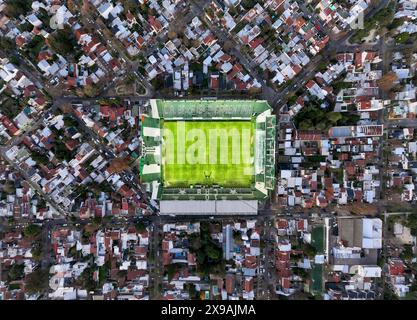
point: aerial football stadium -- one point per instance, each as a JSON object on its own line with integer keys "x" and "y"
{"x": 207, "y": 157}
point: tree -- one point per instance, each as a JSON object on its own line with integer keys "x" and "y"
{"x": 413, "y": 287}
{"x": 97, "y": 221}
{"x": 213, "y": 252}
{"x": 204, "y": 227}
{"x": 103, "y": 271}
{"x": 37, "y": 281}
{"x": 195, "y": 242}
{"x": 141, "y": 70}
{"x": 396, "y": 23}
{"x": 40, "y": 157}
{"x": 322, "y": 66}
{"x": 300, "y": 272}
{"x": 249, "y": 233}
{"x": 292, "y": 99}
{"x": 63, "y": 41}
{"x": 412, "y": 223}
{"x": 35, "y": 45}
{"x": 248, "y": 4}
{"x": 305, "y": 125}
{"x": 37, "y": 251}
{"x": 201, "y": 257}
{"x": 209, "y": 253}
{"x": 72, "y": 252}
{"x": 232, "y": 11}
{"x": 15, "y": 8}
{"x": 122, "y": 273}
{"x": 131, "y": 5}
{"x": 191, "y": 290}
{"x": 388, "y": 294}
{"x": 86, "y": 279}
{"x": 32, "y": 230}
{"x": 69, "y": 121}
{"x": 407, "y": 253}
{"x": 7, "y": 44}
{"x": 322, "y": 126}
{"x": 9, "y": 106}
{"x": 334, "y": 117}
{"x": 403, "y": 37}
{"x": 412, "y": 295}
{"x": 339, "y": 85}
{"x": 171, "y": 270}
{"x": 61, "y": 151}
{"x": 16, "y": 272}
{"x": 385, "y": 16}
{"x": 237, "y": 236}
{"x": 158, "y": 82}
{"x": 144, "y": 10}
{"x": 309, "y": 250}
{"x": 313, "y": 116}
{"x": 140, "y": 227}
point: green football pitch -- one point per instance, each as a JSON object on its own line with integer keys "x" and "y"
{"x": 208, "y": 153}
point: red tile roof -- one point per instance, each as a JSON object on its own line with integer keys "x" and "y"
{"x": 396, "y": 267}
{"x": 248, "y": 285}
{"x": 230, "y": 283}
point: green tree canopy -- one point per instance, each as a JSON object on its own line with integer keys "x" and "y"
{"x": 334, "y": 117}
{"x": 37, "y": 281}
{"x": 208, "y": 252}
{"x": 213, "y": 252}
{"x": 171, "y": 270}
{"x": 309, "y": 250}
{"x": 32, "y": 230}
{"x": 16, "y": 272}
{"x": 63, "y": 41}
{"x": 412, "y": 223}
{"x": 15, "y": 8}
{"x": 140, "y": 227}
{"x": 407, "y": 253}
{"x": 7, "y": 44}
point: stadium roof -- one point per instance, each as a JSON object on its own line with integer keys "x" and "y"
{"x": 170, "y": 109}
{"x": 213, "y": 207}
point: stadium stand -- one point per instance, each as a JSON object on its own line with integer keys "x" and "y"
{"x": 209, "y": 197}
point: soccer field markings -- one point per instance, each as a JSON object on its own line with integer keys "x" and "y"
{"x": 223, "y": 174}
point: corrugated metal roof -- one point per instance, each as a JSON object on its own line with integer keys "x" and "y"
{"x": 209, "y": 207}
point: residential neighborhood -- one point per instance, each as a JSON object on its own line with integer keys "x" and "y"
{"x": 235, "y": 150}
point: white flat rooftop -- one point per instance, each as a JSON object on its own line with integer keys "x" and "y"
{"x": 209, "y": 207}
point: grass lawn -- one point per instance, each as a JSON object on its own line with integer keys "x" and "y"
{"x": 317, "y": 279}
{"x": 318, "y": 238}
{"x": 207, "y": 153}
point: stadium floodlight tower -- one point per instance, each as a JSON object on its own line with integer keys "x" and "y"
{"x": 208, "y": 157}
